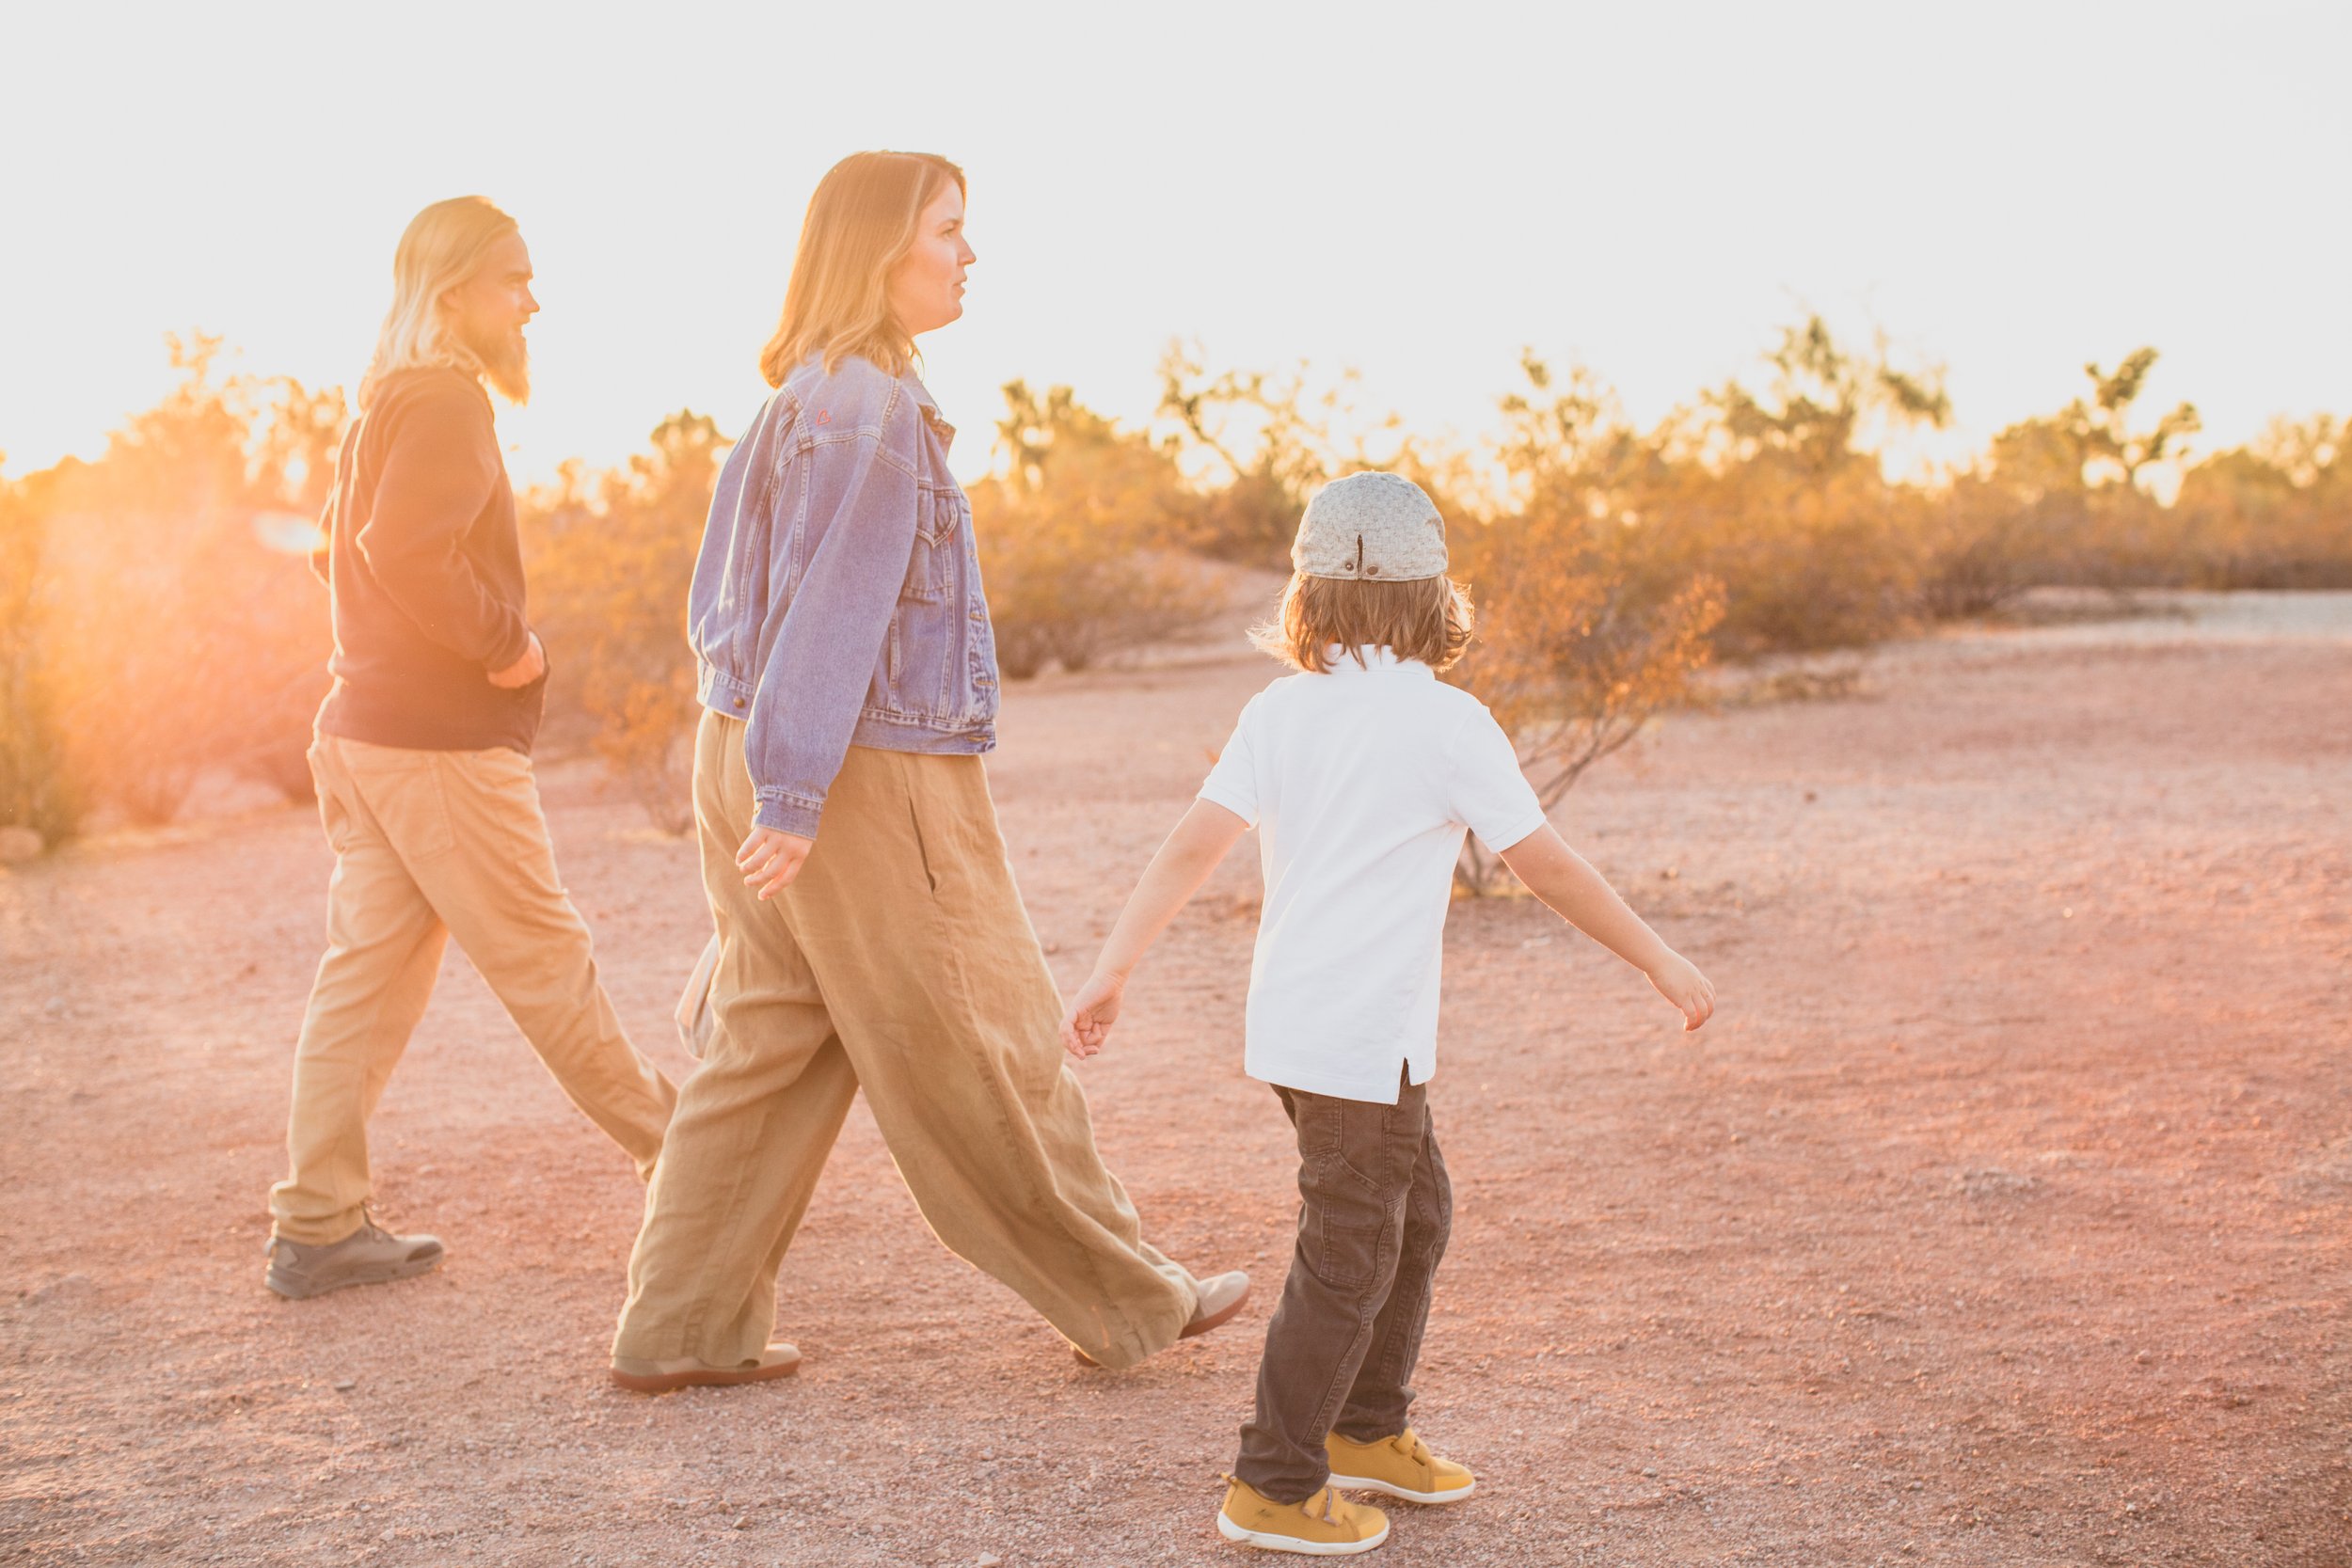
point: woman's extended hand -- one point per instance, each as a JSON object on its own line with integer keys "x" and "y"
{"x": 1091, "y": 1013}
{"x": 770, "y": 860}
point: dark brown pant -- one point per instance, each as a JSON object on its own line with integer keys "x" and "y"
{"x": 1373, "y": 1214}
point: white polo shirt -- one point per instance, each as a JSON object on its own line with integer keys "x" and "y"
{"x": 1360, "y": 783}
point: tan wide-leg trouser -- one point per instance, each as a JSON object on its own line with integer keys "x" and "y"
{"x": 899, "y": 960}
{"x": 429, "y": 843}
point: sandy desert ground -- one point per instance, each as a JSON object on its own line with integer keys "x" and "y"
{"x": 2001, "y": 1217}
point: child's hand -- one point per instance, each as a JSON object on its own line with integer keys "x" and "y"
{"x": 1091, "y": 1013}
{"x": 1678, "y": 981}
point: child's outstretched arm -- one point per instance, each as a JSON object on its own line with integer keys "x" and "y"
{"x": 1175, "y": 874}
{"x": 1582, "y": 897}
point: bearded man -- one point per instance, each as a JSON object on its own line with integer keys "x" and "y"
{"x": 422, "y": 759}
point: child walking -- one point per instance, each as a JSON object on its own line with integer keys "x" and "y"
{"x": 1361, "y": 772}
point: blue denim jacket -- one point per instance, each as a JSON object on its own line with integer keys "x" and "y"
{"x": 836, "y": 600}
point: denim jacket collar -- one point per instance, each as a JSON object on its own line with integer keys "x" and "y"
{"x": 915, "y": 388}
{"x": 931, "y": 416}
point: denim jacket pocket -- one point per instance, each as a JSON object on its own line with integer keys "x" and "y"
{"x": 940, "y": 523}
{"x": 916, "y": 666}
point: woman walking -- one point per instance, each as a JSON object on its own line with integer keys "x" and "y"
{"x": 869, "y": 930}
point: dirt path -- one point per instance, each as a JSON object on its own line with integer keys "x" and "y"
{"x": 2000, "y": 1218}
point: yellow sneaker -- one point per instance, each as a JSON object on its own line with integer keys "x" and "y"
{"x": 1326, "y": 1525}
{"x": 1402, "y": 1466}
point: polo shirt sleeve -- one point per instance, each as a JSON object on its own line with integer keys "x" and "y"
{"x": 1233, "y": 782}
{"x": 1485, "y": 791}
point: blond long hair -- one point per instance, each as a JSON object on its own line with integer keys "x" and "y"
{"x": 860, "y": 223}
{"x": 439, "y": 249}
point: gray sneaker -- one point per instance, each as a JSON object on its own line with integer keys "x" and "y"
{"x": 369, "y": 1256}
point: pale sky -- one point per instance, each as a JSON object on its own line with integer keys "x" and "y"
{"x": 1412, "y": 190}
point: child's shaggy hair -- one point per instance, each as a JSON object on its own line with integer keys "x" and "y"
{"x": 1428, "y": 619}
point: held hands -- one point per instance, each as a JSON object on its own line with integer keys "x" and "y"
{"x": 1678, "y": 981}
{"x": 1091, "y": 1013}
{"x": 523, "y": 671}
{"x": 771, "y": 859}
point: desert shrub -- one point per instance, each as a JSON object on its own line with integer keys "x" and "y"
{"x": 1079, "y": 538}
{"x": 37, "y": 786}
{"x": 1775, "y": 495}
{"x": 2275, "y": 513}
{"x": 612, "y": 556}
{"x": 1981, "y": 543}
{"x": 1575, "y": 649}
{"x": 1270, "y": 450}
{"x": 1808, "y": 561}
{"x": 180, "y": 626}
{"x": 1267, "y": 442}
{"x": 156, "y": 620}
{"x": 2065, "y": 492}
{"x": 1574, "y": 666}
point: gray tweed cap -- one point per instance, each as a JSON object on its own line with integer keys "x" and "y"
{"x": 1378, "y": 526}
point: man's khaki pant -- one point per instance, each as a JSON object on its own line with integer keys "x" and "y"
{"x": 428, "y": 844}
{"x": 899, "y": 960}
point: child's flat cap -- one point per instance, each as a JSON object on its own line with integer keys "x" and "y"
{"x": 1378, "y": 526}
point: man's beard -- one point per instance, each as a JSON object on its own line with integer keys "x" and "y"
{"x": 505, "y": 362}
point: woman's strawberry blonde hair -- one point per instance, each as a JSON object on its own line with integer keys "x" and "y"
{"x": 860, "y": 223}
{"x": 1428, "y": 619}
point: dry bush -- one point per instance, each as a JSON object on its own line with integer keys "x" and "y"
{"x": 1262, "y": 443}
{"x": 1981, "y": 543}
{"x": 37, "y": 789}
{"x": 2061, "y": 499}
{"x": 1270, "y": 438}
{"x": 1574, "y": 666}
{"x": 1775, "y": 495}
{"x": 2277, "y": 514}
{"x": 1078, "y": 538}
{"x": 1575, "y": 652}
{"x": 178, "y": 628}
{"x": 156, "y": 621}
{"x": 1808, "y": 561}
{"x": 612, "y": 557}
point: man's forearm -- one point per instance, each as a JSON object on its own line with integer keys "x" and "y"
{"x": 444, "y": 597}
{"x": 439, "y": 473}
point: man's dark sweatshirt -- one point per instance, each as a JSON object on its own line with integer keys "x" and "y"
{"x": 426, "y": 575}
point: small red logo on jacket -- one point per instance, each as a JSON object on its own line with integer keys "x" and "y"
{"x": 824, "y": 416}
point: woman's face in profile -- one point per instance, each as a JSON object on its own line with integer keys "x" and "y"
{"x": 926, "y": 285}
